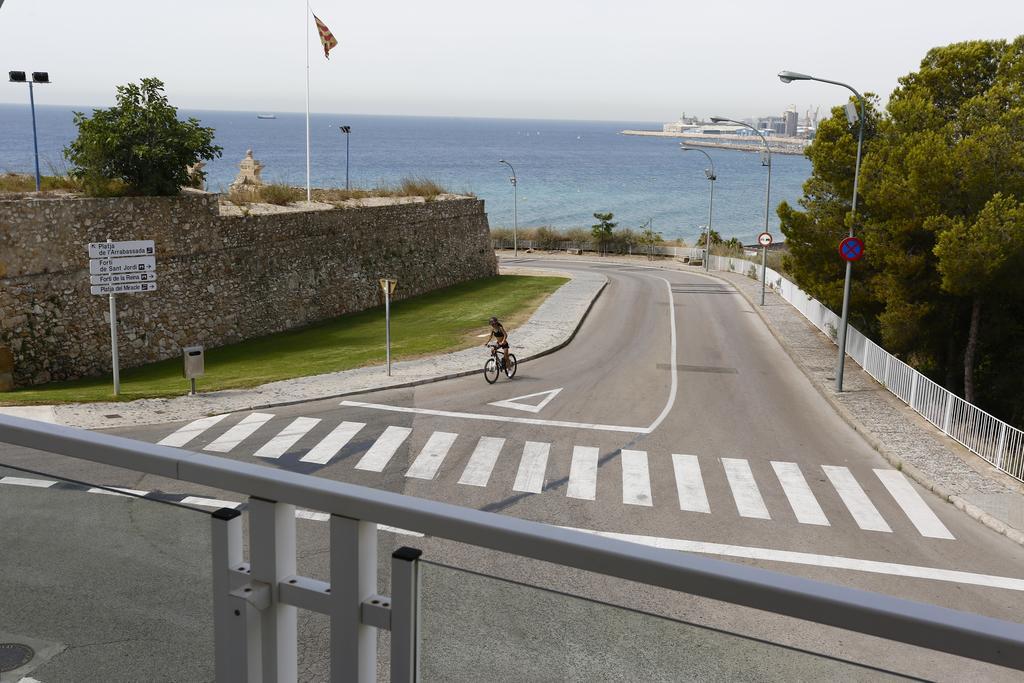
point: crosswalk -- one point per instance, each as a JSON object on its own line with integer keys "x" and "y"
{"x": 314, "y": 442}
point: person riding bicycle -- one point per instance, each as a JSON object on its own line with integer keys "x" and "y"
{"x": 499, "y": 334}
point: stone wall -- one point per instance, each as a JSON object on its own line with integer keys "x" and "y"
{"x": 220, "y": 279}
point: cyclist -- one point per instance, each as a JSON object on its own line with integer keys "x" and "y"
{"x": 499, "y": 334}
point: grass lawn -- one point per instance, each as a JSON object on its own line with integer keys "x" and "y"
{"x": 441, "y": 321}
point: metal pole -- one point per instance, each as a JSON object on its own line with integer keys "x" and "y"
{"x": 347, "y": 186}
{"x": 711, "y": 203}
{"x": 309, "y": 191}
{"x": 35, "y": 142}
{"x": 387, "y": 322}
{"x": 113, "y": 343}
{"x": 405, "y": 599}
{"x": 515, "y": 208}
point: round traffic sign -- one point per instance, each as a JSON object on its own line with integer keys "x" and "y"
{"x": 851, "y": 249}
{"x": 765, "y": 239}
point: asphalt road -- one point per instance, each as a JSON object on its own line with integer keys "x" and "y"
{"x": 674, "y": 416}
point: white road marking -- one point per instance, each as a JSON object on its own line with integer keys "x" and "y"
{"x": 749, "y": 502}
{"x": 116, "y": 492}
{"x": 497, "y": 418}
{"x": 426, "y": 464}
{"x": 332, "y": 444}
{"x": 24, "y": 481}
{"x": 383, "y": 449}
{"x": 481, "y": 463}
{"x": 324, "y": 517}
{"x": 238, "y": 433}
{"x": 836, "y": 562}
{"x": 514, "y": 403}
{"x": 583, "y": 473}
{"x": 208, "y": 502}
{"x": 857, "y": 502}
{"x": 672, "y": 361}
{"x": 690, "y": 483}
{"x": 636, "y": 478}
{"x": 190, "y": 431}
{"x": 922, "y": 517}
{"x": 805, "y": 505}
{"x": 530, "y": 477}
{"x": 280, "y": 444}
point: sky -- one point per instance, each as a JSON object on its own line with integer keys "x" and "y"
{"x": 642, "y": 60}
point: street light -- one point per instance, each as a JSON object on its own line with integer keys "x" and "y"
{"x": 710, "y": 173}
{"x": 767, "y": 194}
{"x": 515, "y": 209}
{"x": 346, "y": 130}
{"x": 41, "y": 77}
{"x": 788, "y": 77}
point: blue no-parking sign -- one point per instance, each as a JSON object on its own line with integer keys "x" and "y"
{"x": 851, "y": 249}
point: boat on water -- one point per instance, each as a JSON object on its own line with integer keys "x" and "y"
{"x": 266, "y": 116}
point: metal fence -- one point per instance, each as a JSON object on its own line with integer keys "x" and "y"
{"x": 999, "y": 443}
{"x": 616, "y": 248}
{"x": 255, "y": 601}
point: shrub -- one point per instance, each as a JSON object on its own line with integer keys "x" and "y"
{"x": 279, "y": 194}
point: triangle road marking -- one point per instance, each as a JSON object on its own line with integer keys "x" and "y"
{"x": 514, "y": 403}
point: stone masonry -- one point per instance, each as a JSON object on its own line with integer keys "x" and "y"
{"x": 220, "y": 279}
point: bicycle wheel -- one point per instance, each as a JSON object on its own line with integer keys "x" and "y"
{"x": 491, "y": 371}
{"x": 510, "y": 368}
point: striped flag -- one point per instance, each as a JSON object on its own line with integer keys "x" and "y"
{"x": 326, "y": 37}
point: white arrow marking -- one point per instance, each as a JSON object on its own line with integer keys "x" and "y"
{"x": 515, "y": 405}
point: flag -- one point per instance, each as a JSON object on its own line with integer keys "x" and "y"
{"x": 326, "y": 37}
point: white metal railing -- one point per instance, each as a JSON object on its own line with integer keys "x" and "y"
{"x": 999, "y": 443}
{"x": 572, "y": 246}
{"x": 255, "y": 601}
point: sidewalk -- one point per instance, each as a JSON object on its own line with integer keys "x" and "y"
{"x": 551, "y": 327}
{"x": 892, "y": 428}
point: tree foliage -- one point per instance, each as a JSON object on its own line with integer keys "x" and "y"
{"x": 942, "y": 176}
{"x": 139, "y": 144}
{"x": 602, "y": 230}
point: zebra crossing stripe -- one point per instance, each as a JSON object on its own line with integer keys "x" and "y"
{"x": 690, "y": 484}
{"x": 583, "y": 473}
{"x": 382, "y": 450}
{"x": 481, "y": 463}
{"x": 190, "y": 431}
{"x": 332, "y": 444}
{"x": 805, "y": 505}
{"x": 749, "y": 502}
{"x": 23, "y": 481}
{"x": 636, "y": 478}
{"x": 209, "y": 502}
{"x": 426, "y": 464}
{"x": 921, "y": 516}
{"x": 238, "y": 433}
{"x": 530, "y": 477}
{"x": 280, "y": 444}
{"x": 857, "y": 502}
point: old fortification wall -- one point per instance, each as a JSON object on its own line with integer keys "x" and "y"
{"x": 220, "y": 279}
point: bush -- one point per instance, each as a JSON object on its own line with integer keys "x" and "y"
{"x": 279, "y": 194}
{"x": 138, "y": 146}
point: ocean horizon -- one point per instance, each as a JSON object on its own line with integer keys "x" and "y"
{"x": 567, "y": 169}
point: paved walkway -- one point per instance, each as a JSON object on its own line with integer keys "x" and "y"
{"x": 897, "y": 432}
{"x": 552, "y": 326}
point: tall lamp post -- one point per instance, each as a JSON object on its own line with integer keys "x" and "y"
{"x": 346, "y": 130}
{"x": 515, "y": 209}
{"x": 789, "y": 77}
{"x": 767, "y": 193}
{"x": 40, "y": 77}
{"x": 710, "y": 173}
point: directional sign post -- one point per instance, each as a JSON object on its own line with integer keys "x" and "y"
{"x": 765, "y": 240}
{"x": 388, "y": 286}
{"x": 120, "y": 268}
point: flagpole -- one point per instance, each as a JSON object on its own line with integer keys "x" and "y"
{"x": 309, "y": 191}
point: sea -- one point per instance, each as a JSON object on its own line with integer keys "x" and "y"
{"x": 567, "y": 170}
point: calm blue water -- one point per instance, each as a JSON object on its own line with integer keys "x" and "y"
{"x": 567, "y": 169}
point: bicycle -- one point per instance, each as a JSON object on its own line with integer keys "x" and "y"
{"x": 496, "y": 364}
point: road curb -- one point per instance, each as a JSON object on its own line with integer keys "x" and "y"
{"x": 970, "y": 509}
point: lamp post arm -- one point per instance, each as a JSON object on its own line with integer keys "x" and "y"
{"x": 860, "y": 143}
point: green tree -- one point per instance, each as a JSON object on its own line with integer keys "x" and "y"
{"x": 602, "y": 231}
{"x": 702, "y": 239}
{"x": 140, "y": 143}
{"x": 650, "y": 239}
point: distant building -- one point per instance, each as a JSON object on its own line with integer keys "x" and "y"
{"x": 791, "y": 122}
{"x": 684, "y": 123}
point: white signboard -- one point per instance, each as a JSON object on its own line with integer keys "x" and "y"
{"x": 126, "y": 288}
{"x": 118, "y": 266}
{"x": 122, "y": 279}
{"x": 121, "y": 249}
{"x": 765, "y": 239}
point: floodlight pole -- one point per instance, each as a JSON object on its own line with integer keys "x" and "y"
{"x": 767, "y": 196}
{"x": 347, "y": 130}
{"x": 43, "y": 77}
{"x": 787, "y": 77}
{"x": 515, "y": 210}
{"x": 711, "y": 203}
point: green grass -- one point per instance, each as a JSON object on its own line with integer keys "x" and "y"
{"x": 437, "y": 322}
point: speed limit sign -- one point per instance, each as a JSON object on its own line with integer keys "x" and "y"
{"x": 765, "y": 239}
